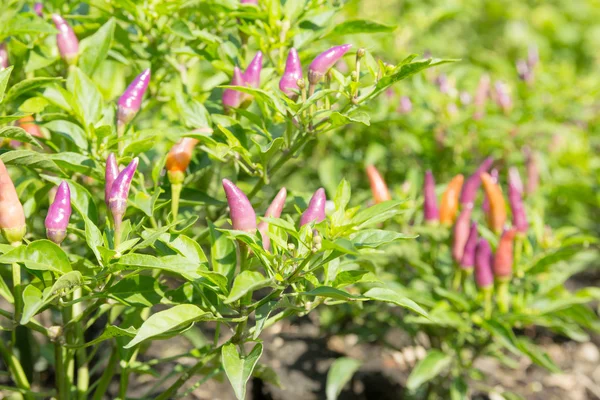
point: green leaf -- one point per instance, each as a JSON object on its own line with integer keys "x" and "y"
{"x": 222, "y": 252}
{"x": 93, "y": 49}
{"x": 246, "y": 282}
{"x": 13, "y": 117}
{"x": 30, "y": 159}
{"x": 137, "y": 291}
{"x": 110, "y": 332}
{"x": 359, "y": 26}
{"x": 18, "y": 134}
{"x": 28, "y": 85}
{"x": 239, "y": 369}
{"x": 428, "y": 368}
{"x": 377, "y": 213}
{"x": 166, "y": 321}
{"x": 193, "y": 113}
{"x": 376, "y": 237}
{"x": 86, "y": 96}
{"x": 390, "y": 296}
{"x": 331, "y": 292}
{"x": 338, "y": 119}
{"x": 41, "y": 255}
{"x": 185, "y": 246}
{"x": 71, "y": 131}
{"x": 4, "y": 75}
{"x": 34, "y": 300}
{"x": 339, "y": 374}
{"x": 176, "y": 264}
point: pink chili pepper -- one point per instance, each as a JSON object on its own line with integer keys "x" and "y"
{"x": 324, "y": 61}
{"x": 242, "y": 214}
{"x": 130, "y": 101}
{"x": 461, "y": 233}
{"x": 59, "y": 214}
{"x": 484, "y": 277}
{"x": 316, "y": 208}
{"x": 12, "y": 216}
{"x": 3, "y": 56}
{"x": 252, "y": 73}
{"x": 468, "y": 258}
{"x": 110, "y": 174}
{"x": 288, "y": 83}
{"x": 67, "y": 42}
{"x": 119, "y": 191}
{"x": 38, "y": 8}
{"x": 503, "y": 260}
{"x": 469, "y": 190}
{"x": 233, "y": 98}
{"x": 274, "y": 211}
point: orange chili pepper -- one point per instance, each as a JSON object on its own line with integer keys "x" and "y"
{"x": 378, "y": 187}
{"x": 497, "y": 215}
{"x": 503, "y": 259}
{"x": 28, "y": 124}
{"x": 180, "y": 155}
{"x": 449, "y": 203}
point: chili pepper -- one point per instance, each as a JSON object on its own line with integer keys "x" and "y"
{"x": 119, "y": 192}
{"x": 59, "y": 214}
{"x": 497, "y": 214}
{"x": 533, "y": 173}
{"x": 461, "y": 233}
{"x": 484, "y": 276}
{"x": 110, "y": 174}
{"x": 405, "y": 106}
{"x": 12, "y": 216}
{"x": 468, "y": 258}
{"x": 519, "y": 217}
{"x": 503, "y": 260}
{"x": 324, "y": 61}
{"x": 288, "y": 83}
{"x": 449, "y": 203}
{"x": 274, "y": 211}
{"x": 28, "y": 124}
{"x": 525, "y": 74}
{"x": 430, "y": 202}
{"x": 502, "y": 96}
{"x": 486, "y": 202}
{"x": 243, "y": 217}
{"x": 249, "y": 2}
{"x": 38, "y": 8}
{"x": 251, "y": 75}
{"x": 231, "y": 97}
{"x": 469, "y": 190}
{"x": 481, "y": 96}
{"x": 67, "y": 42}
{"x": 514, "y": 178}
{"x": 4, "y": 63}
{"x": 130, "y": 101}
{"x": 378, "y": 187}
{"x": 316, "y": 208}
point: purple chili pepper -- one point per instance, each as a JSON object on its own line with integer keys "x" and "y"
{"x": 405, "y": 106}
{"x": 514, "y": 178}
{"x": 316, "y": 208}
{"x": 486, "y": 202}
{"x": 59, "y": 214}
{"x": 470, "y": 187}
{"x": 110, "y": 174}
{"x": 67, "y": 42}
{"x": 38, "y": 9}
{"x": 519, "y": 216}
{"x": 3, "y": 56}
{"x": 430, "y": 203}
{"x": 251, "y": 75}
{"x": 117, "y": 200}
{"x": 130, "y": 101}
{"x": 274, "y": 211}
{"x": 233, "y": 98}
{"x": 468, "y": 258}
{"x": 484, "y": 276}
{"x": 324, "y": 61}
{"x": 288, "y": 83}
{"x": 242, "y": 214}
{"x": 249, "y": 2}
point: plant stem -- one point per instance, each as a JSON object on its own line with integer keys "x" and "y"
{"x": 503, "y": 297}
{"x": 120, "y": 131}
{"x": 14, "y": 366}
{"x": 172, "y": 390}
{"x": 59, "y": 371}
{"x": 16, "y": 274}
{"x": 83, "y": 377}
{"x": 107, "y": 375}
{"x": 175, "y": 195}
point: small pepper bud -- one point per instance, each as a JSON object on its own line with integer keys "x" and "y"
{"x": 110, "y": 174}
{"x": 484, "y": 276}
{"x": 3, "y": 56}
{"x": 130, "y": 101}
{"x": 12, "y": 216}
{"x": 469, "y": 190}
{"x": 449, "y": 203}
{"x": 519, "y": 216}
{"x": 324, "y": 61}
{"x": 481, "y": 96}
{"x": 316, "y": 208}
{"x": 468, "y": 258}
{"x": 430, "y": 202}
{"x": 251, "y": 75}
{"x": 38, "y": 8}
{"x": 119, "y": 192}
{"x": 288, "y": 83}
{"x": 461, "y": 233}
{"x": 59, "y": 214}
{"x": 378, "y": 187}
{"x": 274, "y": 211}
{"x": 28, "y": 124}
{"x": 497, "y": 214}
{"x": 233, "y": 98}
{"x": 503, "y": 260}
{"x": 242, "y": 214}
{"x": 405, "y": 106}
{"x": 67, "y": 42}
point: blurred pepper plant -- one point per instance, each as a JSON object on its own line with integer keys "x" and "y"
{"x": 158, "y": 257}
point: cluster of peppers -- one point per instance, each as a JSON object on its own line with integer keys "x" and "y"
{"x": 470, "y": 252}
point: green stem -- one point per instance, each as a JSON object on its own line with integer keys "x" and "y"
{"x": 175, "y": 196}
{"x": 16, "y": 274}
{"x": 107, "y": 375}
{"x": 59, "y": 371}
{"x": 487, "y": 302}
{"x": 503, "y": 296}
{"x": 117, "y": 233}
{"x": 14, "y": 366}
{"x": 120, "y": 132}
{"x": 83, "y": 376}
{"x": 68, "y": 367}
{"x": 172, "y": 390}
